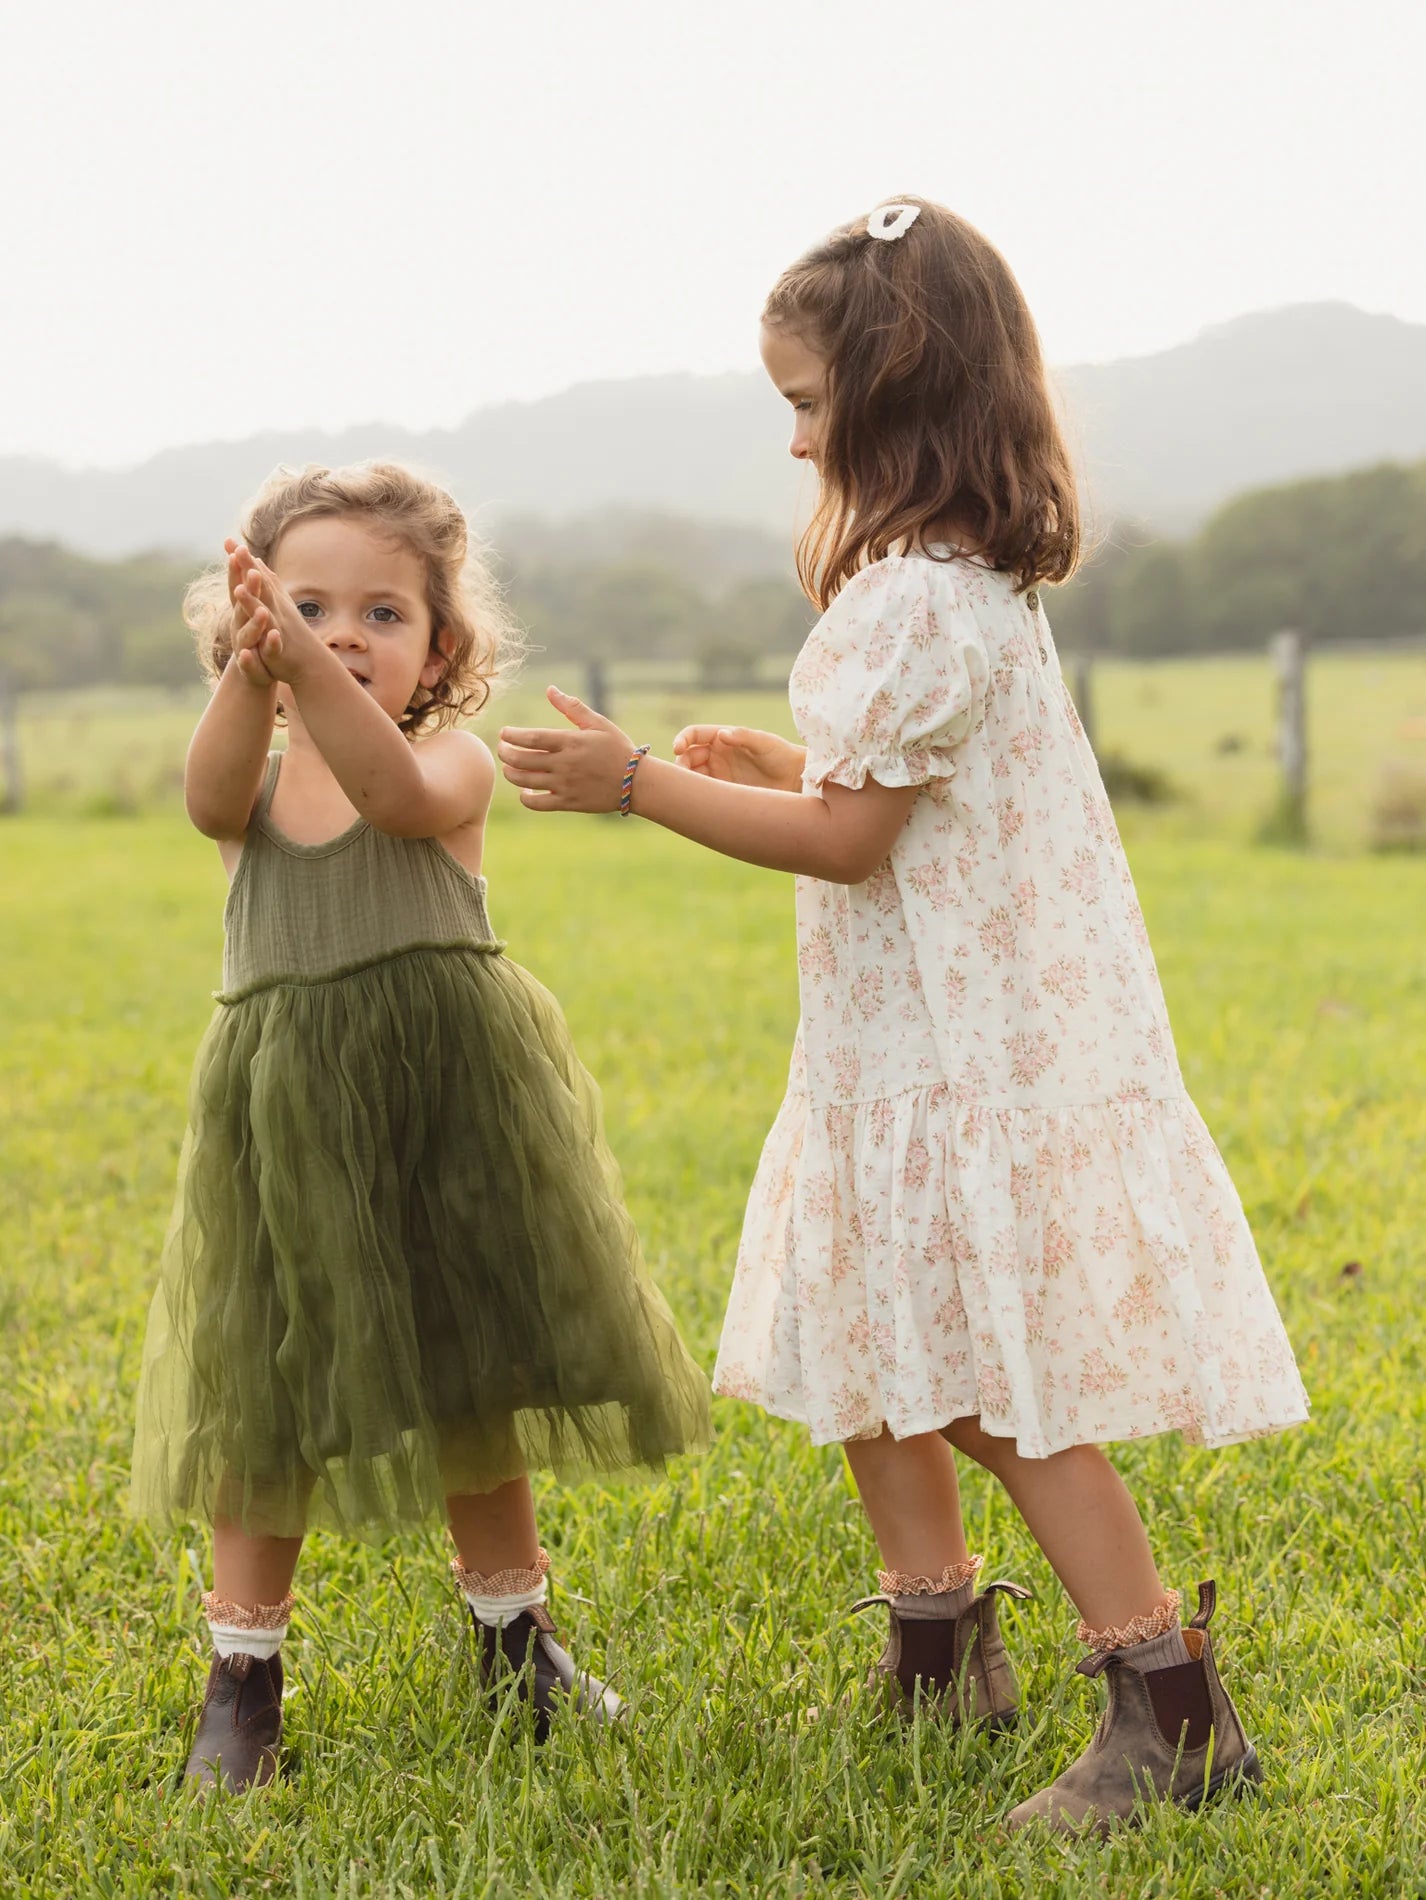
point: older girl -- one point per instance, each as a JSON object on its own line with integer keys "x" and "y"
{"x": 988, "y": 1212}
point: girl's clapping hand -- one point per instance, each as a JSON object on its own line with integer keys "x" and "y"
{"x": 277, "y": 637}
{"x": 741, "y": 755}
{"x": 246, "y": 637}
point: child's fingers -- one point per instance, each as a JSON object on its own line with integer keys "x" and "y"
{"x": 533, "y": 738}
{"x": 694, "y": 736}
{"x": 272, "y": 588}
{"x": 577, "y": 712}
{"x": 693, "y": 758}
{"x": 256, "y": 620}
{"x": 251, "y": 666}
{"x": 256, "y": 578}
{"x": 534, "y": 780}
{"x": 523, "y": 758}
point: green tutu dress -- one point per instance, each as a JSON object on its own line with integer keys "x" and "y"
{"x": 400, "y": 1264}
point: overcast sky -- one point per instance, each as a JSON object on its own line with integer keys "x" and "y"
{"x": 313, "y": 212}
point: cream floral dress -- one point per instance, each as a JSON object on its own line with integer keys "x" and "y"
{"x": 987, "y": 1190}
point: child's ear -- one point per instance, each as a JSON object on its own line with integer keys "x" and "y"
{"x": 437, "y": 660}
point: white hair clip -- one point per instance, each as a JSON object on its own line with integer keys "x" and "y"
{"x": 889, "y": 222}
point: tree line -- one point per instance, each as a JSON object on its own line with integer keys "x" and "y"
{"x": 1341, "y": 558}
{"x": 1338, "y": 557}
{"x": 645, "y": 589}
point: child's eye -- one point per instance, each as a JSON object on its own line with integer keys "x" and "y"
{"x": 386, "y": 615}
{"x": 801, "y": 405}
{"x": 308, "y": 609}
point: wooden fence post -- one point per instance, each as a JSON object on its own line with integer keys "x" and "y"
{"x": 12, "y": 781}
{"x": 1289, "y": 656}
{"x": 596, "y": 688}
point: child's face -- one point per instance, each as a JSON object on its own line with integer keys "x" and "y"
{"x": 364, "y": 595}
{"x": 800, "y": 374}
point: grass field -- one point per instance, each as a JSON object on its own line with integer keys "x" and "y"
{"x": 718, "y": 1595}
{"x": 1208, "y": 724}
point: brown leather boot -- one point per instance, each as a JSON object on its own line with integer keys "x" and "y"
{"x": 1167, "y": 1735}
{"x": 526, "y": 1647}
{"x": 957, "y": 1664}
{"x": 239, "y": 1725}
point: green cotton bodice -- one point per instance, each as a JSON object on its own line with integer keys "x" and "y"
{"x": 309, "y": 912}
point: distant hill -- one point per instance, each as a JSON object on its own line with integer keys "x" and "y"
{"x": 1314, "y": 389}
{"x": 1307, "y": 390}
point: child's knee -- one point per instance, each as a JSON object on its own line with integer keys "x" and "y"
{"x": 966, "y": 1435}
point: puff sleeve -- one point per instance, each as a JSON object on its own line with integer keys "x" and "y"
{"x": 893, "y": 677}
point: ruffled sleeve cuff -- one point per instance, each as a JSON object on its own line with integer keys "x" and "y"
{"x": 917, "y": 765}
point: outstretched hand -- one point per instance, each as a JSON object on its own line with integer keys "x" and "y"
{"x": 741, "y": 755}
{"x": 558, "y": 769}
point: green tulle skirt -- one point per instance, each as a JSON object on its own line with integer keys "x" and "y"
{"x": 399, "y": 1265}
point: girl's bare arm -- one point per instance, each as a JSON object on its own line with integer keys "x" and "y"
{"x": 227, "y": 754}
{"x": 427, "y": 790}
{"x": 836, "y": 834}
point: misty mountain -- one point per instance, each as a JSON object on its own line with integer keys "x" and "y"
{"x": 1310, "y": 390}
{"x": 1164, "y": 439}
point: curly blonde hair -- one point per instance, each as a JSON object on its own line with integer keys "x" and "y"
{"x": 481, "y": 642}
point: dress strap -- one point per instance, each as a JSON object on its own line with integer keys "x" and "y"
{"x": 269, "y": 785}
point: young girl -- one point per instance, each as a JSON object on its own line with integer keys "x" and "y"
{"x": 400, "y": 1274}
{"x": 988, "y": 1212}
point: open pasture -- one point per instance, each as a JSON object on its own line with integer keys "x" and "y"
{"x": 1205, "y": 723}
{"x": 718, "y": 1594}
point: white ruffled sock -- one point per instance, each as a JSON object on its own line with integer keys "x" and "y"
{"x": 240, "y": 1629}
{"x": 505, "y": 1594}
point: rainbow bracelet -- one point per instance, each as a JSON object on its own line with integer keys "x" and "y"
{"x": 626, "y": 788}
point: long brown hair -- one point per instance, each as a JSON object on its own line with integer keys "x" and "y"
{"x": 937, "y": 408}
{"x": 479, "y": 639}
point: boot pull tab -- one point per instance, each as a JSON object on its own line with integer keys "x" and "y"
{"x": 1097, "y": 1661}
{"x": 1207, "y": 1603}
{"x": 868, "y": 1603}
{"x": 1015, "y": 1590}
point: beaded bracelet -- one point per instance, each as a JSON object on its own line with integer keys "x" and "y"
{"x": 626, "y": 789}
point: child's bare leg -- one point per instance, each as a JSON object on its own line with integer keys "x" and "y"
{"x": 252, "y": 1570}
{"x": 501, "y": 1574}
{"x": 909, "y": 1492}
{"x": 944, "y": 1646}
{"x": 240, "y": 1724}
{"x": 1162, "y": 1736}
{"x": 495, "y": 1530}
{"x": 1080, "y": 1513}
